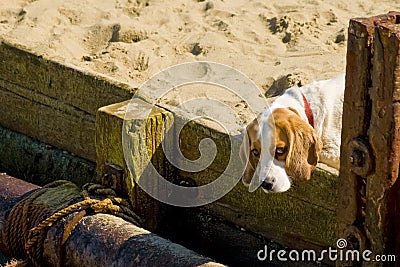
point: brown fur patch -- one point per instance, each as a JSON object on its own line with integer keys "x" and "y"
{"x": 292, "y": 134}
{"x": 303, "y": 145}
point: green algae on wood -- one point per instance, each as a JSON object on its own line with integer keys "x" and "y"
{"x": 304, "y": 217}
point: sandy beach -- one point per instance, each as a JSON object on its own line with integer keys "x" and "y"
{"x": 277, "y": 44}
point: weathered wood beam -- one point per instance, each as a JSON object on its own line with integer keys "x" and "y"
{"x": 356, "y": 117}
{"x": 53, "y": 101}
{"x": 382, "y": 207}
{"x": 368, "y": 195}
{"x": 280, "y": 217}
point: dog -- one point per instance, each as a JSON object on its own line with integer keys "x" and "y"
{"x": 286, "y": 141}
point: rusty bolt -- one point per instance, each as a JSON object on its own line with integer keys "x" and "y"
{"x": 353, "y": 242}
{"x": 357, "y": 158}
{"x": 360, "y": 157}
{"x": 355, "y": 238}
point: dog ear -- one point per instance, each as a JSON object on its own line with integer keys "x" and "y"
{"x": 244, "y": 147}
{"x": 304, "y": 149}
{"x": 314, "y": 150}
{"x": 244, "y": 154}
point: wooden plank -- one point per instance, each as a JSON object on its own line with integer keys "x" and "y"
{"x": 370, "y": 154}
{"x": 52, "y": 102}
{"x": 284, "y": 217}
{"x": 84, "y": 90}
{"x": 384, "y": 137}
{"x": 39, "y": 163}
{"x": 356, "y": 116}
{"x": 213, "y": 235}
{"x": 354, "y": 201}
{"x": 51, "y": 124}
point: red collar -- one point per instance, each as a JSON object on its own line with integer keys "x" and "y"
{"x": 308, "y": 111}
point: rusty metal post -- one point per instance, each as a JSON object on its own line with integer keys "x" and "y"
{"x": 368, "y": 199}
{"x": 101, "y": 239}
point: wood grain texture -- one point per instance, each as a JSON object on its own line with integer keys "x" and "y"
{"x": 146, "y": 134}
{"x": 384, "y": 138}
{"x": 368, "y": 203}
{"x": 52, "y": 102}
{"x": 356, "y": 117}
{"x": 302, "y": 218}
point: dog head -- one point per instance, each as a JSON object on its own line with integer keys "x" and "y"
{"x": 277, "y": 148}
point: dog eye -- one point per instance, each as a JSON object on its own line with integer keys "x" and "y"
{"x": 280, "y": 151}
{"x": 255, "y": 152}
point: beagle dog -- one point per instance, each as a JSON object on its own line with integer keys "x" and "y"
{"x": 301, "y": 128}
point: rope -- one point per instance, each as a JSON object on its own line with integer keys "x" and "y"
{"x": 29, "y": 220}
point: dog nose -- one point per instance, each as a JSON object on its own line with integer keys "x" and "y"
{"x": 266, "y": 185}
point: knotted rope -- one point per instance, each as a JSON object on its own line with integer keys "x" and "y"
{"x": 30, "y": 219}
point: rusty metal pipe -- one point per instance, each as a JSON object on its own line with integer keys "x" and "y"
{"x": 102, "y": 239}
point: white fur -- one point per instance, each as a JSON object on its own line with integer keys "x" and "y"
{"x": 326, "y": 102}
